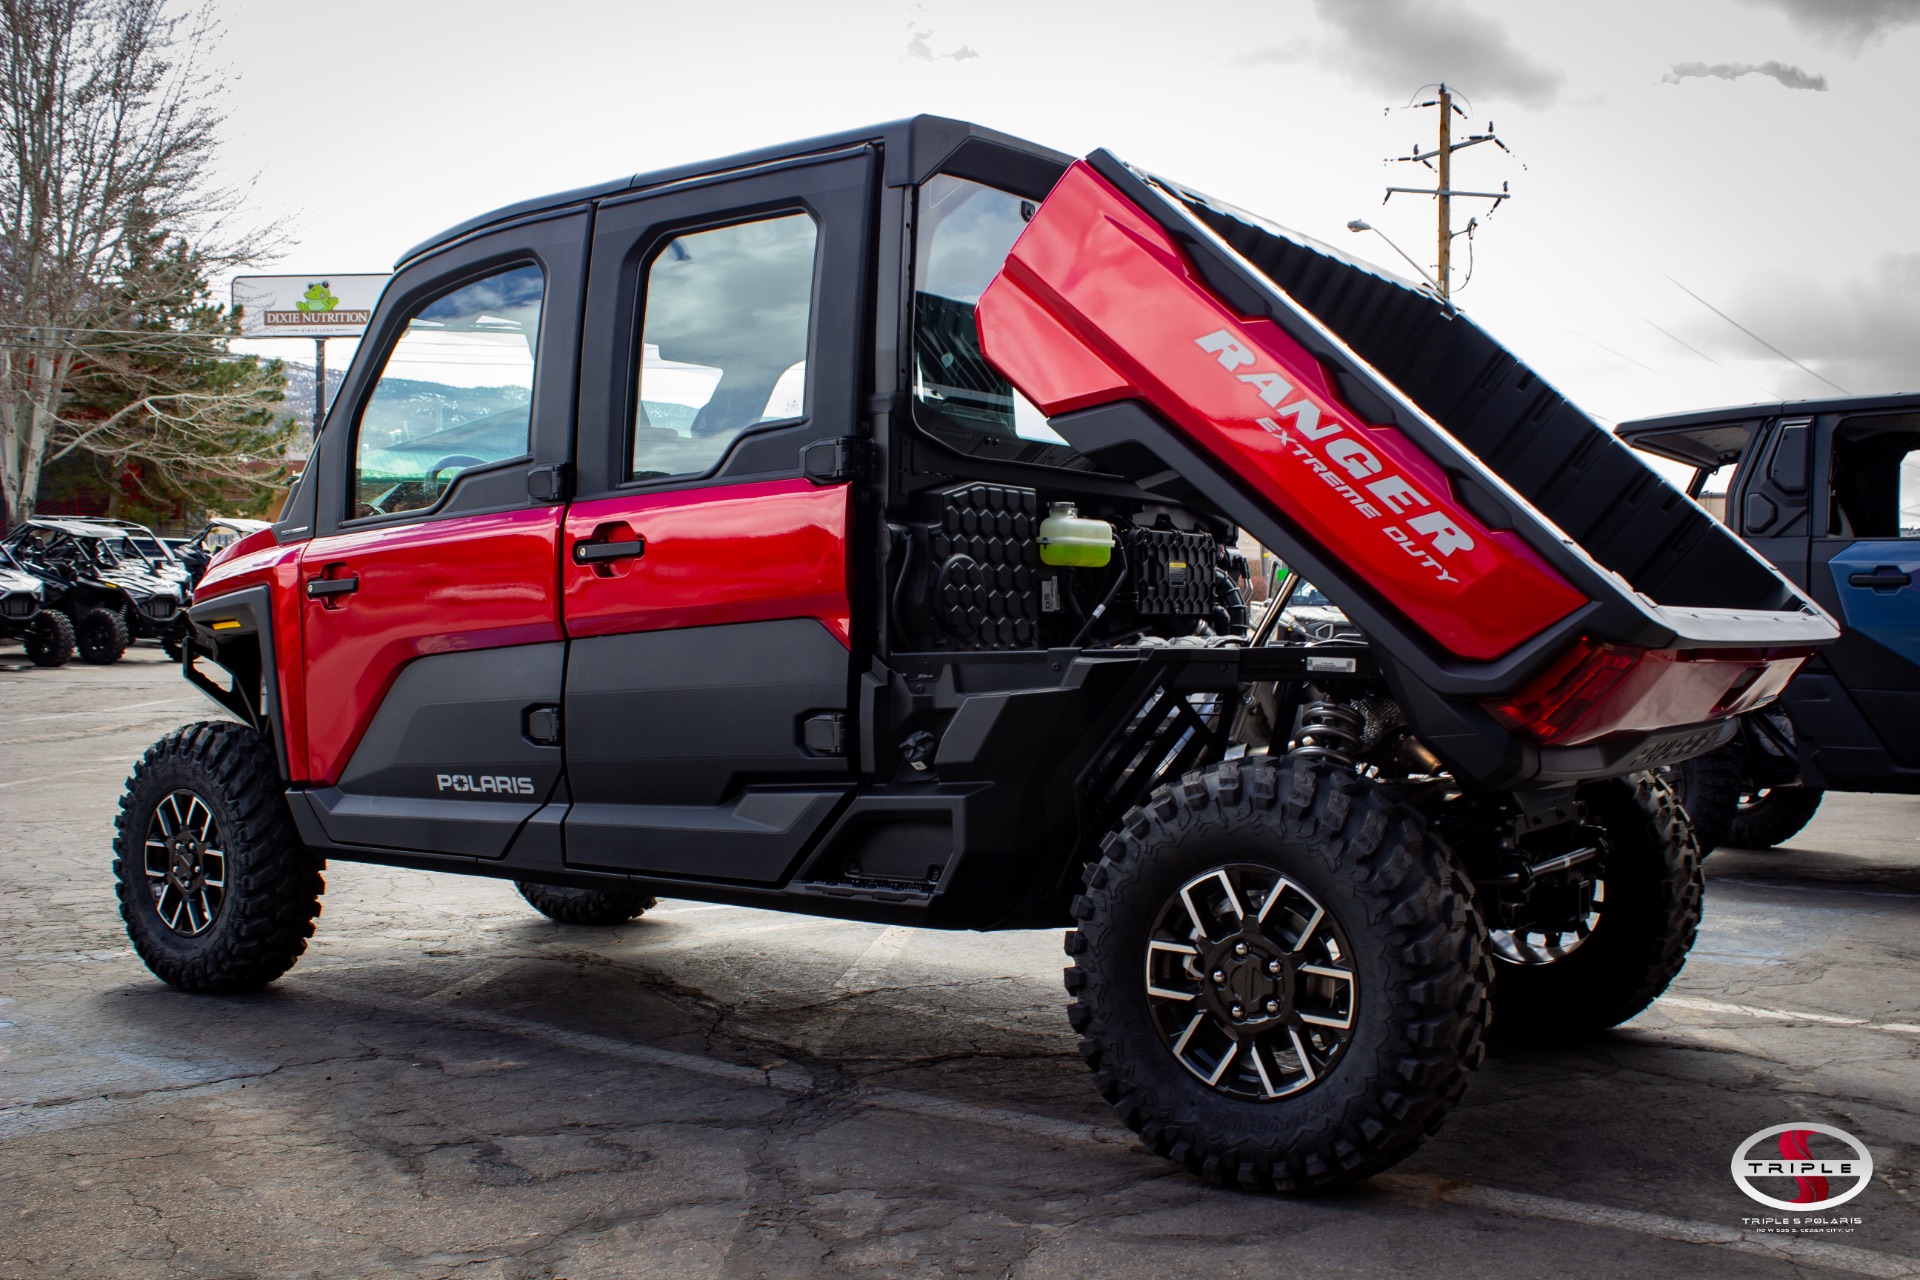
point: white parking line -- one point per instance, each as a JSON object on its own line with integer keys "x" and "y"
{"x": 113, "y": 711}
{"x": 789, "y": 1079}
{"x": 1835, "y": 1257}
{"x": 1786, "y": 1015}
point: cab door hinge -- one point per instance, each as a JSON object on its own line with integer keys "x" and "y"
{"x": 835, "y": 460}
{"x": 551, "y": 483}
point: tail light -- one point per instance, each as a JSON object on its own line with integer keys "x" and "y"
{"x": 1596, "y": 688}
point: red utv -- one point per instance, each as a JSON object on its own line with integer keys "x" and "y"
{"x": 839, "y": 528}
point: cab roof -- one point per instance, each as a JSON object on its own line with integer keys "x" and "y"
{"x": 1715, "y": 437}
{"x": 914, "y": 148}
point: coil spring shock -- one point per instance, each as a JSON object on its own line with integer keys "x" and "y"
{"x": 1329, "y": 731}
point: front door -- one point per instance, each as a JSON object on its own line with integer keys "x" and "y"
{"x": 705, "y": 558}
{"x": 1866, "y": 572}
{"x": 432, "y": 633}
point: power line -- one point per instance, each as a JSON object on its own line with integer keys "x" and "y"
{"x": 1756, "y": 337}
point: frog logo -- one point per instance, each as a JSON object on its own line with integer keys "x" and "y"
{"x": 318, "y": 297}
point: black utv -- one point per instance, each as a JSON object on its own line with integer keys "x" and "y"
{"x": 30, "y": 613}
{"x": 118, "y": 582}
{"x": 839, "y": 529}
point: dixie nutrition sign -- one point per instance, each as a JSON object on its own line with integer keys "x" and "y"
{"x": 329, "y": 306}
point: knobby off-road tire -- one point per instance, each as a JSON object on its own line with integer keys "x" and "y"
{"x": 1416, "y": 1002}
{"x": 1646, "y": 921}
{"x": 1773, "y": 816}
{"x": 101, "y": 635}
{"x": 49, "y": 642}
{"x": 584, "y": 906}
{"x": 1708, "y": 788}
{"x": 217, "y": 891}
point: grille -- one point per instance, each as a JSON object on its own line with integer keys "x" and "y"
{"x": 17, "y": 606}
{"x": 159, "y": 607}
{"x": 1172, "y": 572}
{"x": 986, "y": 587}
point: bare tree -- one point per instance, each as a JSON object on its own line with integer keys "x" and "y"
{"x": 109, "y": 122}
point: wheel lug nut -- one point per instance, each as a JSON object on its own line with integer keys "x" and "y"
{"x": 1273, "y": 966}
{"x": 1273, "y": 1006}
{"x": 1219, "y": 977}
{"x": 1238, "y": 1013}
{"x": 1239, "y": 948}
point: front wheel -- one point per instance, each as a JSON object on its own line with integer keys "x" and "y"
{"x": 216, "y": 889}
{"x": 49, "y": 641}
{"x": 101, "y": 635}
{"x": 1279, "y": 982}
{"x": 1599, "y": 950}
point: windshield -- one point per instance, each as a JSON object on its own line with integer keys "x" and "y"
{"x": 964, "y": 233}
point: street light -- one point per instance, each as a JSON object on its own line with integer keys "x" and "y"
{"x": 1360, "y": 224}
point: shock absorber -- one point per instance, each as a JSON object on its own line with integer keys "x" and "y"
{"x": 1329, "y": 731}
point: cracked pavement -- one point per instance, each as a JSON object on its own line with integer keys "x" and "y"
{"x": 449, "y": 1085}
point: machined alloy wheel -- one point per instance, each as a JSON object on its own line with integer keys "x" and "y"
{"x": 1634, "y": 930}
{"x": 1279, "y": 982}
{"x": 186, "y": 864}
{"x": 1550, "y": 944}
{"x": 1251, "y": 982}
{"x": 217, "y": 892}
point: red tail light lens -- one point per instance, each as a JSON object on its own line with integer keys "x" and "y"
{"x": 1559, "y": 702}
{"x": 1596, "y": 688}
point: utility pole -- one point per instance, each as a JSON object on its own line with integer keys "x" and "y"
{"x": 1444, "y": 193}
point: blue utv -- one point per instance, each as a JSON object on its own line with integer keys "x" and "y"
{"x": 1829, "y": 491}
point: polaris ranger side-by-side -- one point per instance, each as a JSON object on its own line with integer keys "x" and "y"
{"x": 839, "y": 528}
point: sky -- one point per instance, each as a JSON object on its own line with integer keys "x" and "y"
{"x": 1714, "y": 201}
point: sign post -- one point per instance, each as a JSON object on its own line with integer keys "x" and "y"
{"x": 317, "y": 307}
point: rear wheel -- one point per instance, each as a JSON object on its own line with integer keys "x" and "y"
{"x": 217, "y": 891}
{"x": 101, "y": 635}
{"x": 1278, "y": 981}
{"x": 1624, "y": 938}
{"x": 49, "y": 641}
{"x": 1772, "y": 815}
{"x": 584, "y": 906}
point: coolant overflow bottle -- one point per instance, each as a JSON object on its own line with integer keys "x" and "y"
{"x": 1069, "y": 540}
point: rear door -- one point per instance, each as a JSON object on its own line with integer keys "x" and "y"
{"x": 430, "y": 590}
{"x": 705, "y": 556}
{"x": 1866, "y": 571}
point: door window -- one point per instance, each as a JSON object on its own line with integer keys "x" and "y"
{"x": 456, "y": 393}
{"x": 1875, "y": 478}
{"x": 965, "y": 232}
{"x": 723, "y": 342}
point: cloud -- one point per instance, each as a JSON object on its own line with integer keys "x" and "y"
{"x": 1790, "y": 76}
{"x": 1863, "y": 332}
{"x": 1395, "y": 46}
{"x": 920, "y": 45}
{"x": 1847, "y": 23}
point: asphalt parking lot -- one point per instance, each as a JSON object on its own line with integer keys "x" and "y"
{"x": 450, "y": 1085}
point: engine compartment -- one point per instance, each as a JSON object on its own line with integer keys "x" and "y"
{"x": 971, "y": 577}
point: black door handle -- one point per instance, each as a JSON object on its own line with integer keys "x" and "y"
{"x": 321, "y": 588}
{"x": 1881, "y": 578}
{"x": 585, "y": 552}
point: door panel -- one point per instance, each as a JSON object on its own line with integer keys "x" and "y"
{"x": 430, "y": 592}
{"x": 704, "y": 577}
{"x": 739, "y": 553}
{"x": 1877, "y": 587}
{"x": 447, "y": 764}
{"x": 476, "y": 582}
